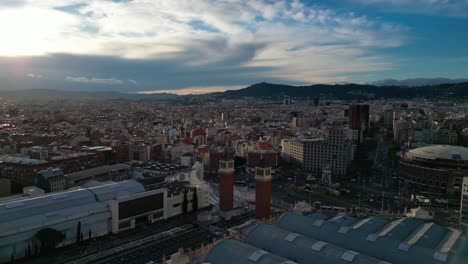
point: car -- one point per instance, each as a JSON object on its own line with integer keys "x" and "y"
{"x": 311, "y": 178}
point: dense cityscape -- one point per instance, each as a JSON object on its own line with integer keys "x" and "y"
{"x": 233, "y": 131}
{"x": 113, "y": 181}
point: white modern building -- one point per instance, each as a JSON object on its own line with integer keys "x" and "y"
{"x": 285, "y": 149}
{"x": 99, "y": 207}
{"x": 314, "y": 154}
{"x": 464, "y": 204}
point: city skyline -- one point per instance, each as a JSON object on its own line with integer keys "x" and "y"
{"x": 233, "y": 131}
{"x": 203, "y": 46}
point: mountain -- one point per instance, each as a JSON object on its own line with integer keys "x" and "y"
{"x": 417, "y": 82}
{"x": 46, "y": 95}
{"x": 349, "y": 91}
{"x": 455, "y": 91}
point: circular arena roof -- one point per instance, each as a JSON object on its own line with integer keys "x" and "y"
{"x": 445, "y": 152}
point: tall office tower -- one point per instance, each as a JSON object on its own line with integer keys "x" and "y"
{"x": 316, "y": 101}
{"x": 262, "y": 192}
{"x": 226, "y": 184}
{"x": 365, "y": 119}
{"x": 354, "y": 117}
{"x": 359, "y": 118}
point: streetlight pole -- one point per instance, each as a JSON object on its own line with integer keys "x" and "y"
{"x": 399, "y": 189}
{"x": 359, "y": 201}
{"x": 383, "y": 197}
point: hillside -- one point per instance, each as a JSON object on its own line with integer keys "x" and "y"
{"x": 350, "y": 91}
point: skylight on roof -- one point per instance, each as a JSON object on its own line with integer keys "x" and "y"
{"x": 291, "y": 237}
{"x": 349, "y": 256}
{"x": 59, "y": 196}
{"x": 317, "y": 246}
{"x": 255, "y": 256}
{"x": 456, "y": 155}
{"x": 115, "y": 186}
{"x": 14, "y": 205}
{"x": 50, "y": 214}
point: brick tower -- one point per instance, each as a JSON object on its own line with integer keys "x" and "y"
{"x": 262, "y": 192}
{"x": 226, "y": 184}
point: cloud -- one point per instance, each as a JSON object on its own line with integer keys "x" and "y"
{"x": 457, "y": 8}
{"x": 152, "y": 74}
{"x": 196, "y": 90}
{"x": 133, "y": 82}
{"x": 195, "y": 43}
{"x": 110, "y": 81}
{"x": 31, "y": 75}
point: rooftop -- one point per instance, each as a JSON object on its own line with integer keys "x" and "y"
{"x": 232, "y": 251}
{"x": 32, "y": 212}
{"x": 445, "y": 152}
{"x": 322, "y": 238}
{"x": 95, "y": 171}
{"x": 51, "y": 172}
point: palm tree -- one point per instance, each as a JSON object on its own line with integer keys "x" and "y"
{"x": 185, "y": 203}
{"x": 195, "y": 200}
{"x": 78, "y": 233}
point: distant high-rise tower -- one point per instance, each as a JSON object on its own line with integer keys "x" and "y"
{"x": 354, "y": 117}
{"x": 226, "y": 184}
{"x": 365, "y": 119}
{"x": 262, "y": 192}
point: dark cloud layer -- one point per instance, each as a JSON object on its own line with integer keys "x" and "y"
{"x": 170, "y": 73}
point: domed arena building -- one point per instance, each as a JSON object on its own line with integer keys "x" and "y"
{"x": 435, "y": 170}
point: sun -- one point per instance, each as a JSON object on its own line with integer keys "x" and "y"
{"x": 31, "y": 31}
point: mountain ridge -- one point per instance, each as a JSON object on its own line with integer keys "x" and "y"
{"x": 348, "y": 91}
{"x": 456, "y": 91}
{"x": 418, "y": 81}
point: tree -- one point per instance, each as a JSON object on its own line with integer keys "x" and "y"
{"x": 29, "y": 250}
{"x": 78, "y": 233}
{"x": 49, "y": 238}
{"x": 195, "y": 200}
{"x": 185, "y": 203}
{"x": 36, "y": 248}
{"x": 89, "y": 234}
{"x": 392, "y": 150}
{"x": 239, "y": 161}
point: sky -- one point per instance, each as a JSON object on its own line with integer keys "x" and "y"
{"x": 196, "y": 46}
